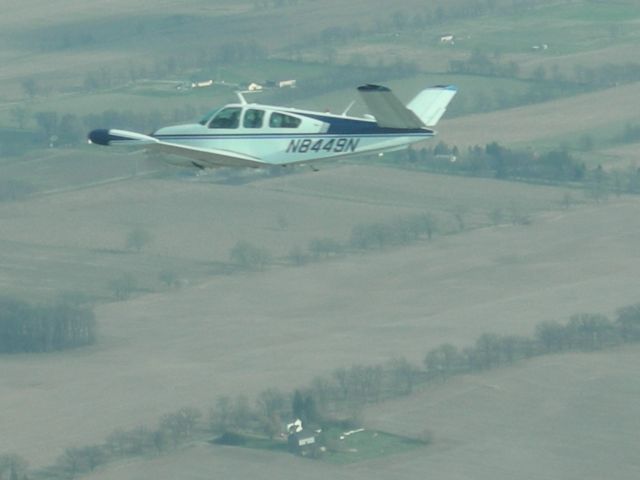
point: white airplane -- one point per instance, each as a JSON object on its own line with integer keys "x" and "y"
{"x": 254, "y": 135}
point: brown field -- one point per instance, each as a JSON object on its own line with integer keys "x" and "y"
{"x": 249, "y": 331}
{"x": 28, "y": 27}
{"x": 569, "y": 416}
{"x": 618, "y": 55}
{"x": 550, "y": 119}
{"x": 623, "y": 155}
{"x": 228, "y": 332}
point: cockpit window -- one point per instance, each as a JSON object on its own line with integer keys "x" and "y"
{"x": 280, "y": 120}
{"x": 253, "y": 118}
{"x": 226, "y": 118}
{"x": 205, "y": 119}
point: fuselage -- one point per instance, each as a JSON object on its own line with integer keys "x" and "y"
{"x": 280, "y": 135}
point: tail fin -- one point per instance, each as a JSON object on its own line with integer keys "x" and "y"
{"x": 388, "y": 111}
{"x": 431, "y": 103}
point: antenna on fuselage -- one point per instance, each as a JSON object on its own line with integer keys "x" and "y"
{"x": 346, "y": 110}
{"x": 240, "y": 94}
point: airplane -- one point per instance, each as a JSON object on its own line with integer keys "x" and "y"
{"x": 253, "y": 135}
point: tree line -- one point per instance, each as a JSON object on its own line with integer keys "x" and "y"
{"x": 496, "y": 161}
{"x": 344, "y": 392}
{"x": 44, "y": 328}
{"x": 338, "y": 398}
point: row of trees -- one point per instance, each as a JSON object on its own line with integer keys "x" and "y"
{"x": 343, "y": 393}
{"x": 13, "y": 467}
{"x": 497, "y": 161}
{"x": 52, "y": 128}
{"x": 44, "y": 328}
{"x": 347, "y": 390}
{"x": 400, "y": 231}
{"x": 417, "y": 19}
{"x": 172, "y": 430}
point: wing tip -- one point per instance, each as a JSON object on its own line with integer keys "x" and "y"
{"x": 452, "y": 88}
{"x": 100, "y": 136}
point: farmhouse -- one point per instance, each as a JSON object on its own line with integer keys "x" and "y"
{"x": 287, "y": 83}
{"x": 448, "y": 38}
{"x": 204, "y": 84}
{"x": 302, "y": 442}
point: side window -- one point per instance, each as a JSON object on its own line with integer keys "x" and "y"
{"x": 253, "y": 118}
{"x": 226, "y": 118}
{"x": 280, "y": 120}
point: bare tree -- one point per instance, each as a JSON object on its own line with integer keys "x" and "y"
{"x": 249, "y": 256}
{"x": 169, "y": 278}
{"x": 123, "y": 286}
{"x": 138, "y": 238}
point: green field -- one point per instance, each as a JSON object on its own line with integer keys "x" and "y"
{"x": 340, "y": 448}
{"x": 367, "y": 445}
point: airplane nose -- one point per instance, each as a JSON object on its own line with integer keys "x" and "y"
{"x": 100, "y": 136}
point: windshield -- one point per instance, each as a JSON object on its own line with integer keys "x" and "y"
{"x": 205, "y": 119}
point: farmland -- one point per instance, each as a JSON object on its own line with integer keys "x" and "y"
{"x": 362, "y": 308}
{"x": 194, "y": 323}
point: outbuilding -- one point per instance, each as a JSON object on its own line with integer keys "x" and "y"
{"x": 302, "y": 442}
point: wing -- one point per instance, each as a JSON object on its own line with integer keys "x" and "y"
{"x": 200, "y": 157}
{"x": 387, "y": 109}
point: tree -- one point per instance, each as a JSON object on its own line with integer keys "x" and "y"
{"x": 30, "y": 86}
{"x": 20, "y": 115}
{"x": 324, "y": 247}
{"x": 586, "y": 142}
{"x": 404, "y": 376}
{"x": 272, "y": 405}
{"x": 180, "y": 425}
{"x": 297, "y": 256}
{"x": 92, "y": 456}
{"x": 48, "y": 123}
{"x": 589, "y": 331}
{"x": 496, "y": 216}
{"x": 552, "y": 336}
{"x": 242, "y": 414}
{"x": 220, "y": 417}
{"x": 488, "y": 350}
{"x": 249, "y": 256}
{"x": 297, "y": 404}
{"x": 428, "y": 224}
{"x": 459, "y": 212}
{"x": 15, "y": 465}
{"x": 442, "y": 361}
{"x": 27, "y": 328}
{"x": 72, "y": 462}
{"x": 138, "y": 238}
{"x": 271, "y": 402}
{"x": 70, "y": 130}
{"x": 123, "y": 286}
{"x": 169, "y": 278}
{"x": 628, "y": 322}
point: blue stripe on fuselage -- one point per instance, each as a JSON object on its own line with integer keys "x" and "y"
{"x": 268, "y": 136}
{"x": 338, "y": 127}
{"x": 351, "y": 126}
